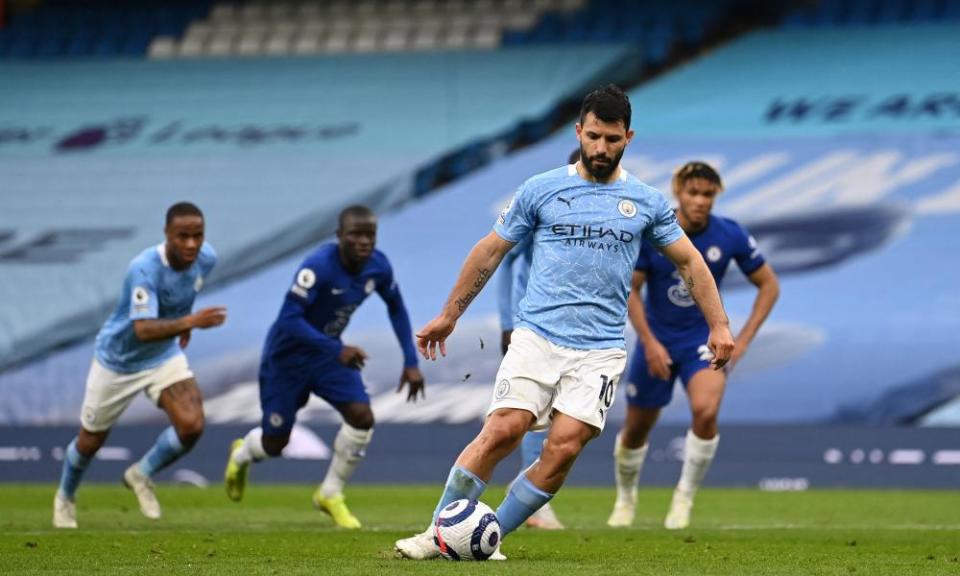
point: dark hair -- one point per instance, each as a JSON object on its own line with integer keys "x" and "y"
{"x": 355, "y": 211}
{"x": 608, "y": 104}
{"x": 182, "y": 209}
{"x": 574, "y": 156}
{"x": 697, "y": 169}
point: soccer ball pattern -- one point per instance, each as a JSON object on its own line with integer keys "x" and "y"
{"x": 467, "y": 530}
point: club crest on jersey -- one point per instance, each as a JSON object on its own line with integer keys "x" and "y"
{"x": 370, "y": 285}
{"x": 276, "y": 420}
{"x": 502, "y": 389}
{"x": 627, "y": 208}
{"x": 714, "y": 254}
{"x": 198, "y": 284}
{"x": 679, "y": 294}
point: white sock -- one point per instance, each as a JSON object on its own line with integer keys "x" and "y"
{"x": 627, "y": 464}
{"x": 252, "y": 449}
{"x": 349, "y": 448}
{"x": 697, "y": 457}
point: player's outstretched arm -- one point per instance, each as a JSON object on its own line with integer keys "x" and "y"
{"x": 768, "y": 291}
{"x": 152, "y": 329}
{"x": 696, "y": 275}
{"x": 479, "y": 266}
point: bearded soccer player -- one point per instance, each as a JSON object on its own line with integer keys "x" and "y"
{"x": 566, "y": 353}
{"x": 304, "y": 355}
{"x": 672, "y": 342}
{"x": 140, "y": 349}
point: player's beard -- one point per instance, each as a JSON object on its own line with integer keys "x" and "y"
{"x": 599, "y": 172}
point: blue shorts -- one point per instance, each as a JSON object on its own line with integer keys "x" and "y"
{"x": 645, "y": 391}
{"x": 285, "y": 389}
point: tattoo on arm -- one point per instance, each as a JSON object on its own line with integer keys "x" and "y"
{"x": 688, "y": 280}
{"x": 482, "y": 276}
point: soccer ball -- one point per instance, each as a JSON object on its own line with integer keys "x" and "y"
{"x": 467, "y": 530}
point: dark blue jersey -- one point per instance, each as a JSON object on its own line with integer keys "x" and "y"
{"x": 319, "y": 304}
{"x": 671, "y": 311}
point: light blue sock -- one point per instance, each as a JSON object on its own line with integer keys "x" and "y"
{"x": 531, "y": 447}
{"x": 522, "y": 500}
{"x": 74, "y": 463}
{"x": 164, "y": 452}
{"x": 461, "y": 483}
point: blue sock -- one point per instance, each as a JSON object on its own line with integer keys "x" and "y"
{"x": 531, "y": 447}
{"x": 521, "y": 502}
{"x": 461, "y": 483}
{"x": 74, "y": 463}
{"x": 164, "y": 452}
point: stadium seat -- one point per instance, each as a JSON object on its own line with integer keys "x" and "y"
{"x": 162, "y": 47}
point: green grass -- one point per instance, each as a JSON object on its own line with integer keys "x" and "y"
{"x": 275, "y": 531}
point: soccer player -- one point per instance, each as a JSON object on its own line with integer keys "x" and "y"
{"x": 512, "y": 284}
{"x": 566, "y": 353}
{"x": 139, "y": 349}
{"x": 672, "y": 338}
{"x": 303, "y": 354}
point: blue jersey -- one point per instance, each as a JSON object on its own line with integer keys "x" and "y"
{"x": 151, "y": 289}
{"x": 512, "y": 282}
{"x": 586, "y": 239}
{"x": 319, "y": 304}
{"x": 671, "y": 311}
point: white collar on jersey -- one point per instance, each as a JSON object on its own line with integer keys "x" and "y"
{"x": 162, "y": 251}
{"x": 572, "y": 169}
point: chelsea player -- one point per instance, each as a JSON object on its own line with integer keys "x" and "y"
{"x": 303, "y": 354}
{"x": 566, "y": 353}
{"x": 139, "y": 349}
{"x": 672, "y": 342}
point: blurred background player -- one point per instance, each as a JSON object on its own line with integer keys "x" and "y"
{"x": 511, "y": 284}
{"x": 139, "y": 349}
{"x": 672, "y": 336}
{"x": 303, "y": 354}
{"x": 567, "y": 353}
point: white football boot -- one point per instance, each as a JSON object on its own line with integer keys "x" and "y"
{"x": 678, "y": 517}
{"x": 142, "y": 486}
{"x": 419, "y": 546}
{"x": 64, "y": 512}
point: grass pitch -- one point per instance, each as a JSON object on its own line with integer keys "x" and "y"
{"x": 275, "y": 531}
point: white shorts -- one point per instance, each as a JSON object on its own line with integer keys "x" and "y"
{"x": 109, "y": 393}
{"x": 540, "y": 377}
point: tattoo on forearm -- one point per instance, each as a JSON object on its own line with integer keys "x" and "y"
{"x": 482, "y": 276}
{"x": 688, "y": 280}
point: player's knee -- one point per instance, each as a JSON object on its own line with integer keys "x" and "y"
{"x": 499, "y": 434}
{"x": 705, "y": 416}
{"x": 561, "y": 451}
{"x": 89, "y": 443}
{"x": 274, "y": 445}
{"x": 361, "y": 419}
{"x": 189, "y": 430}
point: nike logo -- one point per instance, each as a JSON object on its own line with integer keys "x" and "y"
{"x": 565, "y": 201}
{"x": 337, "y": 291}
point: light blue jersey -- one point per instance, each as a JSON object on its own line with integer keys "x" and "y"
{"x": 151, "y": 289}
{"x": 586, "y": 239}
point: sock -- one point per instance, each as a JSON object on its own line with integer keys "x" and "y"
{"x": 163, "y": 453}
{"x": 74, "y": 463}
{"x": 461, "y": 483}
{"x": 697, "y": 457}
{"x": 521, "y": 501}
{"x": 349, "y": 448}
{"x": 531, "y": 447}
{"x": 627, "y": 465}
{"x": 252, "y": 449}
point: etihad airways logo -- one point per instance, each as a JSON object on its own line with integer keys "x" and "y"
{"x": 592, "y": 236}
